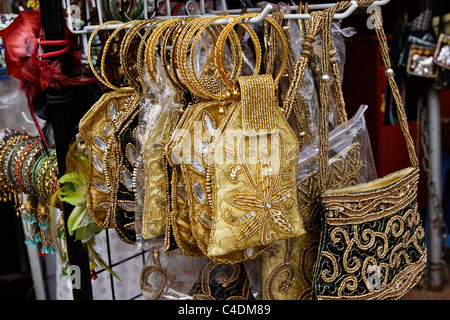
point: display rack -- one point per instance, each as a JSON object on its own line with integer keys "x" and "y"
{"x": 52, "y": 12}
{"x": 87, "y": 28}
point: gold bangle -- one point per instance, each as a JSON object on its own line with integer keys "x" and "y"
{"x": 150, "y": 62}
{"x": 105, "y": 52}
{"x": 91, "y": 38}
{"x": 189, "y": 76}
{"x": 173, "y": 35}
{"x": 141, "y": 52}
{"x": 134, "y": 80}
{"x": 219, "y": 55}
{"x": 233, "y": 75}
{"x": 182, "y": 52}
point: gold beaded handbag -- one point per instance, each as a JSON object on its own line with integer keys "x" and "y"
{"x": 97, "y": 129}
{"x": 372, "y": 243}
{"x": 186, "y": 155}
{"x": 157, "y": 123}
{"x": 249, "y": 167}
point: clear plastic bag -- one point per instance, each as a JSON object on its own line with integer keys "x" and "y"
{"x": 14, "y": 111}
{"x": 350, "y": 162}
{"x": 203, "y": 60}
{"x": 173, "y": 276}
{"x": 309, "y": 88}
{"x": 169, "y": 275}
{"x": 155, "y": 122}
{"x": 341, "y": 140}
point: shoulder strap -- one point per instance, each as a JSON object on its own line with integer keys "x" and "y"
{"x": 324, "y": 87}
{"x": 376, "y": 14}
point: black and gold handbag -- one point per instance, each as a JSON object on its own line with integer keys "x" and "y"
{"x": 123, "y": 202}
{"x": 97, "y": 129}
{"x": 372, "y": 242}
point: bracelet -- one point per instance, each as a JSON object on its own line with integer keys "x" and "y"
{"x": 28, "y": 163}
{"x": 10, "y": 165}
{"x": 34, "y": 173}
{"x": 7, "y": 145}
{"x": 18, "y": 161}
{"x": 47, "y": 179}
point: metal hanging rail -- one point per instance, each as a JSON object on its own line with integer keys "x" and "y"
{"x": 84, "y": 30}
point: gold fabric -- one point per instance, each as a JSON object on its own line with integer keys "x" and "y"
{"x": 215, "y": 188}
{"x": 288, "y": 266}
{"x": 253, "y": 174}
{"x": 97, "y": 129}
{"x": 156, "y": 185}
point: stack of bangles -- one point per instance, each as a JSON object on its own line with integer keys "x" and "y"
{"x": 26, "y": 168}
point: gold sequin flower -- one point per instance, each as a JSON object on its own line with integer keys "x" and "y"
{"x": 266, "y": 208}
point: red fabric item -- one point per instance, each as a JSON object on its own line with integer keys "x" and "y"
{"x": 26, "y": 60}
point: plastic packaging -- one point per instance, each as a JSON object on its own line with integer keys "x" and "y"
{"x": 169, "y": 275}
{"x": 309, "y": 88}
{"x": 14, "y": 111}
{"x": 340, "y": 140}
{"x": 288, "y": 266}
{"x": 155, "y": 122}
{"x": 173, "y": 276}
{"x": 203, "y": 59}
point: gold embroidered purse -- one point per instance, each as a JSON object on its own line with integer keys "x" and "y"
{"x": 252, "y": 166}
{"x": 186, "y": 155}
{"x": 288, "y": 266}
{"x": 97, "y": 129}
{"x": 372, "y": 243}
{"x": 159, "y": 121}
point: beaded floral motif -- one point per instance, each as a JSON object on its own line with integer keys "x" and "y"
{"x": 288, "y": 271}
{"x": 267, "y": 207}
{"x": 252, "y": 185}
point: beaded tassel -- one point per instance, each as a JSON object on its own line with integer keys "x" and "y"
{"x": 32, "y": 235}
{"x": 44, "y": 225}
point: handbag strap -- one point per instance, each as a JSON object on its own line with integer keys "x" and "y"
{"x": 376, "y": 14}
{"x": 324, "y": 90}
{"x": 330, "y": 60}
{"x": 315, "y": 23}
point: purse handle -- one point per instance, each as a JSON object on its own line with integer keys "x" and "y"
{"x": 134, "y": 33}
{"x": 324, "y": 90}
{"x": 233, "y": 38}
{"x": 89, "y": 57}
{"x": 189, "y": 38}
{"x": 230, "y": 84}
